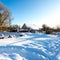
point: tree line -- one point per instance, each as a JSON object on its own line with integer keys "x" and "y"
{"x": 49, "y": 30}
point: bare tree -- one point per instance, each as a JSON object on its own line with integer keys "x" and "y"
{"x": 5, "y": 18}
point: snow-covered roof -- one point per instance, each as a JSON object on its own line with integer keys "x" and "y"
{"x": 32, "y": 26}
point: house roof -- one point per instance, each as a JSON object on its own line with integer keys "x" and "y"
{"x": 32, "y": 26}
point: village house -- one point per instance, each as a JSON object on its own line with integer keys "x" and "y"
{"x": 29, "y": 28}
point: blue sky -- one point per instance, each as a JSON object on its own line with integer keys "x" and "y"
{"x": 34, "y": 11}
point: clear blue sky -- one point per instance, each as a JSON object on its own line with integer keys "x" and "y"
{"x": 34, "y": 11}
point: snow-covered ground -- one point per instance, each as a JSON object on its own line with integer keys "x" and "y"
{"x": 30, "y": 46}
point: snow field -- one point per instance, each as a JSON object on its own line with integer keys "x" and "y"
{"x": 31, "y": 46}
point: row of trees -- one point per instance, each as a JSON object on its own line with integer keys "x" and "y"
{"x": 49, "y": 30}
{"x": 14, "y": 28}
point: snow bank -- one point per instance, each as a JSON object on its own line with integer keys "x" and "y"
{"x": 18, "y": 57}
{"x": 3, "y": 57}
{"x": 4, "y": 42}
{"x": 15, "y": 55}
{"x": 58, "y": 56}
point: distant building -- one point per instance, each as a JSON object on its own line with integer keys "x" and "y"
{"x": 24, "y": 28}
{"x": 29, "y": 28}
